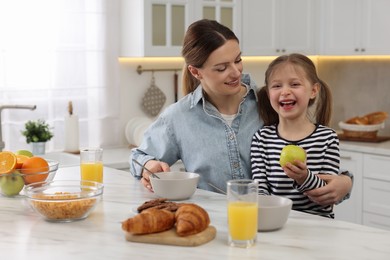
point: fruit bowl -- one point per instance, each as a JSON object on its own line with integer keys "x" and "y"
{"x": 11, "y": 184}
{"x": 64, "y": 201}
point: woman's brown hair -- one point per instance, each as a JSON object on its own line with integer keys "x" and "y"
{"x": 323, "y": 110}
{"x": 201, "y": 39}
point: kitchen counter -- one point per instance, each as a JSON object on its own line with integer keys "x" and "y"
{"x": 117, "y": 157}
{"x": 24, "y": 235}
{"x": 382, "y": 148}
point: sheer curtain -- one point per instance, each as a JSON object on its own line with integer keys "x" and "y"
{"x": 53, "y": 52}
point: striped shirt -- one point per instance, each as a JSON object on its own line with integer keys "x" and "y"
{"x": 322, "y": 149}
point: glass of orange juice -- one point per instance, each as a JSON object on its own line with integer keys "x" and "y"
{"x": 242, "y": 212}
{"x": 91, "y": 164}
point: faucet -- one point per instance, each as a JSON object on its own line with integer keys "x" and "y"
{"x": 32, "y": 107}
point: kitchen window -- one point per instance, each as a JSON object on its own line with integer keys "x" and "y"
{"x": 53, "y": 52}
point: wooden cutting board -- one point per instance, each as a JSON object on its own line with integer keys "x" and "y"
{"x": 170, "y": 237}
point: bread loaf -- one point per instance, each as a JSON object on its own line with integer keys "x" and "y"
{"x": 376, "y": 117}
{"x": 150, "y": 221}
{"x": 191, "y": 219}
{"x": 358, "y": 120}
{"x": 369, "y": 119}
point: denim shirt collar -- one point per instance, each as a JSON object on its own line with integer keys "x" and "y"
{"x": 197, "y": 95}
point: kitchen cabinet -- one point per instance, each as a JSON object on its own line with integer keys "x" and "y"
{"x": 355, "y": 27}
{"x": 227, "y": 12}
{"x": 276, "y": 27}
{"x": 155, "y": 28}
{"x": 351, "y": 210}
{"x": 369, "y": 202}
{"x": 376, "y": 205}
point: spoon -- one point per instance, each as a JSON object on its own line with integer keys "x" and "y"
{"x": 223, "y": 192}
{"x": 143, "y": 167}
{"x": 215, "y": 187}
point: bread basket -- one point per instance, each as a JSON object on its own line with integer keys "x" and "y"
{"x": 361, "y": 131}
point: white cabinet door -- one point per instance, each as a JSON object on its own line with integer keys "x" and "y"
{"x": 376, "y": 30}
{"x": 376, "y": 190}
{"x": 276, "y": 27}
{"x": 351, "y": 210}
{"x": 355, "y": 27}
{"x": 154, "y": 27}
{"x": 226, "y": 12}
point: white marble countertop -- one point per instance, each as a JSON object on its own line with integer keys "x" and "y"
{"x": 381, "y": 148}
{"x": 114, "y": 157}
{"x": 24, "y": 235}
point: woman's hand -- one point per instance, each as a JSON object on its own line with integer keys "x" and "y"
{"x": 336, "y": 189}
{"x": 154, "y": 166}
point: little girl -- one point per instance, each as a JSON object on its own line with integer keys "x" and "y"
{"x": 291, "y": 88}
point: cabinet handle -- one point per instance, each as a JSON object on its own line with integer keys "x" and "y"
{"x": 283, "y": 50}
{"x": 363, "y": 49}
{"x": 356, "y": 49}
{"x": 346, "y": 157}
{"x": 277, "y": 50}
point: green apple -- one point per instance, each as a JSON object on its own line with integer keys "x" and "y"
{"x": 290, "y": 153}
{"x": 24, "y": 152}
{"x": 11, "y": 184}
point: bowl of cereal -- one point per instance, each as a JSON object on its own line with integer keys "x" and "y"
{"x": 65, "y": 200}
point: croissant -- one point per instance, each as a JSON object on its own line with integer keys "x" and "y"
{"x": 191, "y": 219}
{"x": 150, "y": 221}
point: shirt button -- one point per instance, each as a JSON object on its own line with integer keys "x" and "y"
{"x": 235, "y": 165}
{"x": 231, "y": 137}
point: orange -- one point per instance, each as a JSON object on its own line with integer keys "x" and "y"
{"x": 35, "y": 169}
{"x": 7, "y": 162}
{"x": 20, "y": 159}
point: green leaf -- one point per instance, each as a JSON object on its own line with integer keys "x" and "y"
{"x": 37, "y": 131}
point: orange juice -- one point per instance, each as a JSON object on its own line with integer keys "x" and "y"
{"x": 242, "y": 217}
{"x": 92, "y": 171}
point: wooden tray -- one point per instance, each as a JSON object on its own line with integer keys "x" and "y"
{"x": 376, "y": 139}
{"x": 170, "y": 237}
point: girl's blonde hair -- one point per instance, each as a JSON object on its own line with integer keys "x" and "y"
{"x": 201, "y": 39}
{"x": 323, "y": 110}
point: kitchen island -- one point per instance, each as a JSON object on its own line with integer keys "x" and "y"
{"x": 25, "y": 235}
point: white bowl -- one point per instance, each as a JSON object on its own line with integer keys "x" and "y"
{"x": 175, "y": 185}
{"x": 273, "y": 212}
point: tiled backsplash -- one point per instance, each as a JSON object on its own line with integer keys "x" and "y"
{"x": 359, "y": 86}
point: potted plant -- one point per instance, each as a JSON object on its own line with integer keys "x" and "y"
{"x": 37, "y": 133}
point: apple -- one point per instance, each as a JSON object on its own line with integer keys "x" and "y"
{"x": 11, "y": 184}
{"x": 290, "y": 153}
{"x": 24, "y": 152}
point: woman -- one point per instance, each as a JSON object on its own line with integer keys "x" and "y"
{"x": 210, "y": 129}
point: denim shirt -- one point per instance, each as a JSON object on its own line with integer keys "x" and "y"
{"x": 194, "y": 131}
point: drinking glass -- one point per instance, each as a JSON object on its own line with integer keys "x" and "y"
{"x": 242, "y": 212}
{"x": 91, "y": 164}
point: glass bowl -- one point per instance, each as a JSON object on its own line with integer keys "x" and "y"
{"x": 11, "y": 184}
{"x": 65, "y": 200}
